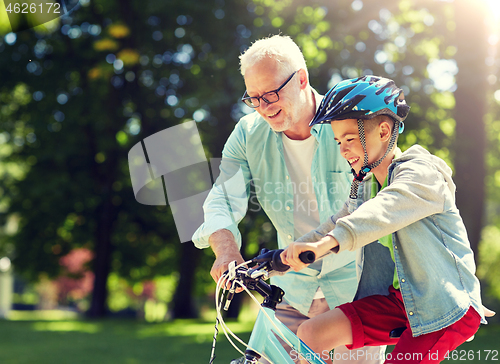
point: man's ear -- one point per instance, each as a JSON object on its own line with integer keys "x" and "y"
{"x": 303, "y": 78}
{"x": 384, "y": 131}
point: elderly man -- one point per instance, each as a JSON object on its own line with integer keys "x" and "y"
{"x": 300, "y": 180}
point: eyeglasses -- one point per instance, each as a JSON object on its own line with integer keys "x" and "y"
{"x": 270, "y": 97}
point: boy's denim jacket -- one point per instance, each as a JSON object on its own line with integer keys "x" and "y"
{"x": 433, "y": 258}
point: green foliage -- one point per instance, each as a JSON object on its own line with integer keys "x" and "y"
{"x": 489, "y": 256}
{"x": 78, "y": 94}
{"x": 489, "y": 247}
{"x": 340, "y": 40}
{"x": 493, "y": 163}
{"x": 75, "y": 100}
{"x": 149, "y": 297}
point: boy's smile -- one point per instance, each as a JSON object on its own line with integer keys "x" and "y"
{"x": 353, "y": 160}
{"x": 376, "y": 137}
{"x": 347, "y": 137}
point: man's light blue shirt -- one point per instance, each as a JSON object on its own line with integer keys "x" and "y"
{"x": 253, "y": 154}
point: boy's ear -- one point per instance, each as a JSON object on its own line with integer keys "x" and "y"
{"x": 385, "y": 131}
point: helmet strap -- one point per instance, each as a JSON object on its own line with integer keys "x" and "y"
{"x": 367, "y": 168}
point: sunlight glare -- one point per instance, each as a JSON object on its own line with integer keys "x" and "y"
{"x": 494, "y": 8}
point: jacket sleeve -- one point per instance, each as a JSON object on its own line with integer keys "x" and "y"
{"x": 417, "y": 190}
{"x": 227, "y": 202}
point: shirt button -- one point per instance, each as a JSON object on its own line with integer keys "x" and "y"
{"x": 287, "y": 177}
{"x": 319, "y": 276}
{"x": 403, "y": 280}
{"x": 395, "y": 246}
{"x": 288, "y": 208}
{"x": 290, "y": 237}
{"x": 411, "y": 313}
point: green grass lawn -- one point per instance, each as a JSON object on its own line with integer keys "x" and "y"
{"x": 77, "y": 341}
{"x": 68, "y": 339}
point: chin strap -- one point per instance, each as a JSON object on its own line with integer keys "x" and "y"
{"x": 367, "y": 168}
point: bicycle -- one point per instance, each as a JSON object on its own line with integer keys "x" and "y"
{"x": 263, "y": 341}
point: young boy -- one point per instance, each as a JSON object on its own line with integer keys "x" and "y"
{"x": 407, "y": 203}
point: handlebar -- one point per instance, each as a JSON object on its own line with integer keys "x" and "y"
{"x": 268, "y": 261}
{"x": 273, "y": 257}
{"x": 307, "y": 257}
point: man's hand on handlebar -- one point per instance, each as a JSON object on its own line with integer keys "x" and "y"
{"x": 226, "y": 250}
{"x": 221, "y": 265}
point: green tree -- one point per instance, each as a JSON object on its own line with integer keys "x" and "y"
{"x": 470, "y": 111}
{"x": 75, "y": 100}
{"x": 400, "y": 40}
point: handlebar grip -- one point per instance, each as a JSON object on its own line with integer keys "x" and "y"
{"x": 307, "y": 257}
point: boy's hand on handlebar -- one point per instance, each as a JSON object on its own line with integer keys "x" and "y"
{"x": 290, "y": 255}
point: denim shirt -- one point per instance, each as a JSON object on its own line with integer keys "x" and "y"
{"x": 433, "y": 258}
{"x": 253, "y": 154}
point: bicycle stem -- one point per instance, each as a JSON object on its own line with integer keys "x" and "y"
{"x": 272, "y": 294}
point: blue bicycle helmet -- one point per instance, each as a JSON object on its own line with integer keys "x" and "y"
{"x": 364, "y": 98}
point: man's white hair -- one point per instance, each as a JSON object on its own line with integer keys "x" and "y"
{"x": 278, "y": 47}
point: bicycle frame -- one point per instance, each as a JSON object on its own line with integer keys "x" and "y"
{"x": 264, "y": 340}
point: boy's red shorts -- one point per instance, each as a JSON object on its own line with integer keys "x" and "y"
{"x": 374, "y": 317}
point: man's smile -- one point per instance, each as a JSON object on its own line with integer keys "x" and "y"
{"x": 274, "y": 115}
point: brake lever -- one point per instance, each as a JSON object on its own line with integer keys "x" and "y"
{"x": 250, "y": 271}
{"x": 231, "y": 270}
{"x": 257, "y": 273}
{"x": 231, "y": 275}
{"x": 230, "y": 295}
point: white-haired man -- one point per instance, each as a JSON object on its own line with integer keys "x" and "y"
{"x": 300, "y": 180}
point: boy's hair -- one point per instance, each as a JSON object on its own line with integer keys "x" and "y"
{"x": 370, "y": 124}
{"x": 278, "y": 47}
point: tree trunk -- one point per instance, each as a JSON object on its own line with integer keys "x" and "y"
{"x": 470, "y": 144}
{"x": 102, "y": 262}
{"x": 183, "y": 302}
